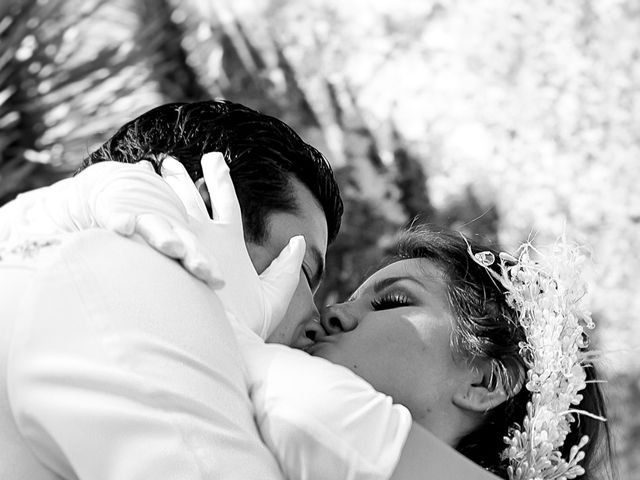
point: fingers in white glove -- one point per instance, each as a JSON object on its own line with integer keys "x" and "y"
{"x": 110, "y": 191}
{"x": 204, "y": 267}
{"x": 224, "y": 202}
{"x": 177, "y": 177}
{"x": 213, "y": 244}
{"x": 146, "y": 165}
{"x": 280, "y": 279}
{"x": 159, "y": 233}
{"x": 121, "y": 223}
{"x": 178, "y": 243}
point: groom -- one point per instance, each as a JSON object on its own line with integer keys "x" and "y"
{"x": 285, "y": 187}
{"x": 118, "y": 364}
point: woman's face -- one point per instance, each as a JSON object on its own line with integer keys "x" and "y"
{"x": 395, "y": 332}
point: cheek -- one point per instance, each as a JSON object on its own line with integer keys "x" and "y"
{"x": 301, "y": 308}
{"x": 393, "y": 355}
{"x": 372, "y": 350}
{"x": 301, "y": 305}
{"x": 260, "y": 256}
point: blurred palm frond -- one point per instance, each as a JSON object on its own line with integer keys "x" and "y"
{"x": 61, "y": 88}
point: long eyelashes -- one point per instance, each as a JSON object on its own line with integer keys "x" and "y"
{"x": 390, "y": 300}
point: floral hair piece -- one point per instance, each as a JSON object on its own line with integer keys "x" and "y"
{"x": 547, "y": 295}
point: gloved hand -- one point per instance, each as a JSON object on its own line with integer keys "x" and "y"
{"x": 255, "y": 301}
{"x": 129, "y": 199}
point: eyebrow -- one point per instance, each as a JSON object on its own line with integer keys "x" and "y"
{"x": 386, "y": 282}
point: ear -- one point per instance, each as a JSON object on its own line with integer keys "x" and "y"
{"x": 484, "y": 390}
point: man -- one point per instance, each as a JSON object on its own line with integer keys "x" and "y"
{"x": 280, "y": 180}
{"x": 118, "y": 364}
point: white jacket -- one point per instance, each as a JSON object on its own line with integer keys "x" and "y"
{"x": 120, "y": 365}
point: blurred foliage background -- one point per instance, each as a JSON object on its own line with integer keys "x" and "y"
{"x": 508, "y": 119}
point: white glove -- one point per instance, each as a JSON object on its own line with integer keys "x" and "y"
{"x": 255, "y": 301}
{"x": 128, "y": 199}
{"x": 110, "y": 195}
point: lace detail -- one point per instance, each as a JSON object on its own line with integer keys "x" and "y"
{"x": 26, "y": 249}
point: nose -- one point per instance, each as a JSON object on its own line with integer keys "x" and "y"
{"x": 313, "y": 330}
{"x": 338, "y": 318}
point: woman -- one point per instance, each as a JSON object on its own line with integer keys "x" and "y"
{"x": 435, "y": 305}
{"x": 439, "y": 331}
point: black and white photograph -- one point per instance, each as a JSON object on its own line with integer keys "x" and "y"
{"x": 322, "y": 239}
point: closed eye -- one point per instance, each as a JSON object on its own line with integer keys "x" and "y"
{"x": 390, "y": 300}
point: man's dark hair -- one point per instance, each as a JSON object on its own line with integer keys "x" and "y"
{"x": 262, "y": 152}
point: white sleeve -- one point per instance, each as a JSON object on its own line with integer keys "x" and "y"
{"x": 42, "y": 211}
{"x": 321, "y": 420}
{"x": 123, "y": 367}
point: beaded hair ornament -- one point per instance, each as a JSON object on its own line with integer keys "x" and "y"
{"x": 547, "y": 295}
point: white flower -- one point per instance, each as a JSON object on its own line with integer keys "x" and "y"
{"x": 547, "y": 295}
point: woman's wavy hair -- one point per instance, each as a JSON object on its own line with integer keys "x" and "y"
{"x": 487, "y": 329}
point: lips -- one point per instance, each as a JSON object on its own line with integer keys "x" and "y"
{"x": 307, "y": 334}
{"x": 311, "y": 349}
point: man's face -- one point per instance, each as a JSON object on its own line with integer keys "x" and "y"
{"x": 311, "y": 223}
